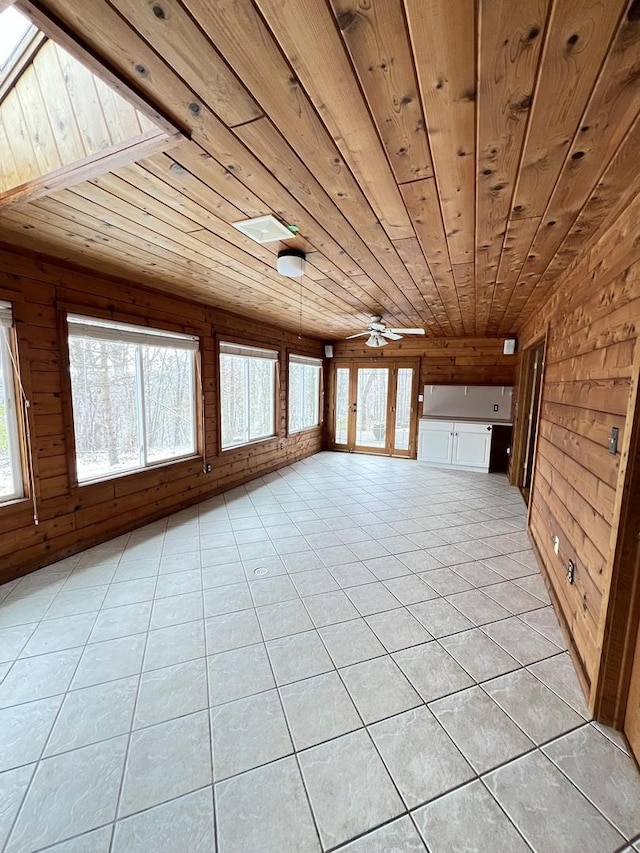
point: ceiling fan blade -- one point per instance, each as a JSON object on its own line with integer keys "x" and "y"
{"x": 359, "y": 335}
{"x": 391, "y": 336}
{"x": 408, "y": 331}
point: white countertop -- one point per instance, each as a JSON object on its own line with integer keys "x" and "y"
{"x": 497, "y": 421}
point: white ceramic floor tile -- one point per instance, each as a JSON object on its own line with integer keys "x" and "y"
{"x": 534, "y": 707}
{"x": 183, "y": 745}
{"x": 468, "y": 819}
{"x": 93, "y": 714}
{"x": 231, "y": 631}
{"x": 265, "y": 809}
{"x": 379, "y": 688}
{"x": 420, "y": 756}
{"x": 174, "y": 644}
{"x": 108, "y": 660}
{"x": 184, "y": 824}
{"x": 38, "y": 677}
{"x": 238, "y": 673}
{"x": 95, "y": 841}
{"x": 478, "y": 654}
{"x": 480, "y": 729}
{"x": 172, "y": 691}
{"x": 121, "y": 622}
{"x": 432, "y": 671}
{"x": 349, "y": 787}
{"x": 24, "y": 730}
{"x": 298, "y": 656}
{"x": 400, "y": 836}
{"x": 247, "y": 733}
{"x": 13, "y": 785}
{"x": 318, "y": 709}
{"x": 70, "y": 794}
{"x": 554, "y": 815}
{"x": 614, "y": 787}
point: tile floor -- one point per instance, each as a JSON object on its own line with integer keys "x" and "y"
{"x": 355, "y": 653}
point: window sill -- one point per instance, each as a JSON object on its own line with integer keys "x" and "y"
{"x": 248, "y": 443}
{"x": 119, "y": 475}
{"x": 14, "y": 504}
{"x": 304, "y": 429}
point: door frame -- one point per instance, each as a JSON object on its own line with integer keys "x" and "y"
{"x": 526, "y": 429}
{"x": 621, "y": 608}
{"x": 392, "y": 364}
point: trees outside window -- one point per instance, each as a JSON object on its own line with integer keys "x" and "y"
{"x": 11, "y": 485}
{"x": 247, "y": 393}
{"x": 304, "y": 392}
{"x": 133, "y": 396}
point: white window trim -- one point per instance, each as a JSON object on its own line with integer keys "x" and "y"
{"x": 309, "y": 362}
{"x": 230, "y": 348}
{"x": 13, "y": 435}
{"x": 97, "y": 329}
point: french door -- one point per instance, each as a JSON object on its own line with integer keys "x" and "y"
{"x": 375, "y": 407}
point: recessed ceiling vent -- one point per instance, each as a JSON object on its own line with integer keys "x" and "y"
{"x": 264, "y": 229}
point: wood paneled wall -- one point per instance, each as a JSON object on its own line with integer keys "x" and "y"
{"x": 590, "y": 385}
{"x": 72, "y": 517}
{"x": 444, "y": 361}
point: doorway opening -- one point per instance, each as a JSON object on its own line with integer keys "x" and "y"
{"x": 374, "y": 407}
{"x": 529, "y": 404}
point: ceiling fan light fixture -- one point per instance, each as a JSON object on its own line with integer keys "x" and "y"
{"x": 291, "y": 263}
{"x": 376, "y": 340}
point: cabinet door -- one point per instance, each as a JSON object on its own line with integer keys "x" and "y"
{"x": 436, "y": 443}
{"x": 472, "y": 445}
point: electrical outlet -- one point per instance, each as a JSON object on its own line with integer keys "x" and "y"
{"x": 281, "y": 445}
{"x": 571, "y": 571}
{"x": 556, "y": 545}
{"x": 208, "y": 468}
{"x": 496, "y": 407}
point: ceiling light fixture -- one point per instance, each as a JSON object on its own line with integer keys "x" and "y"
{"x": 291, "y": 262}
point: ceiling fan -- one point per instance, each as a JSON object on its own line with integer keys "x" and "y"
{"x": 380, "y": 335}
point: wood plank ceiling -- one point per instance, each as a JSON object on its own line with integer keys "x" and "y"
{"x": 443, "y": 161}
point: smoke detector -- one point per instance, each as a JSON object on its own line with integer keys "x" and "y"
{"x": 264, "y": 229}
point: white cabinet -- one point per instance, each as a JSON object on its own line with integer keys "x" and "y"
{"x": 435, "y": 442}
{"x": 455, "y": 444}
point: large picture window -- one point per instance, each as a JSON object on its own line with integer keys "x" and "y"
{"x": 247, "y": 393}
{"x": 304, "y": 392}
{"x": 133, "y": 395}
{"x": 11, "y": 486}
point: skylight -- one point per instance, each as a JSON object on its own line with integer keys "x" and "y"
{"x": 15, "y": 32}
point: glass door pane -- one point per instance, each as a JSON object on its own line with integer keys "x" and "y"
{"x": 342, "y": 405}
{"x": 371, "y": 407}
{"x": 403, "y": 408}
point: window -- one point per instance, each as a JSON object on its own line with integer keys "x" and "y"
{"x": 133, "y": 395}
{"x": 11, "y": 485}
{"x": 16, "y": 31}
{"x": 304, "y": 392}
{"x": 247, "y": 393}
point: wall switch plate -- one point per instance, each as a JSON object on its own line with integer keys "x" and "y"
{"x": 556, "y": 544}
{"x": 421, "y": 398}
{"x": 207, "y": 468}
{"x": 571, "y": 571}
{"x": 613, "y": 440}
